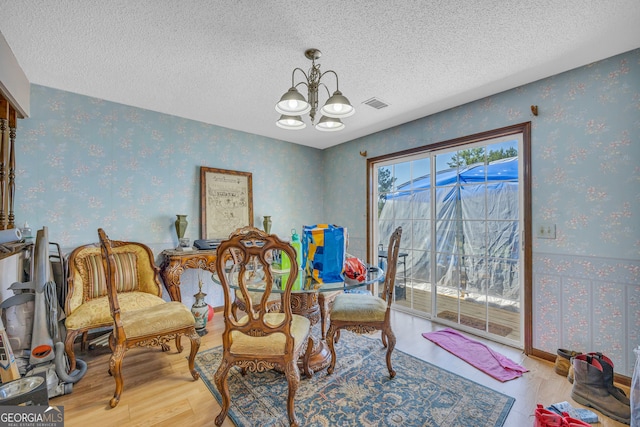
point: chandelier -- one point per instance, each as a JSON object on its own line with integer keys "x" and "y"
{"x": 292, "y": 104}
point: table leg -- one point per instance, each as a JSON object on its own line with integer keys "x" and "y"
{"x": 175, "y": 263}
{"x": 171, "y": 273}
{"x": 306, "y": 304}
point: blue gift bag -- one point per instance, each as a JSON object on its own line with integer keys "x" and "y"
{"x": 324, "y": 248}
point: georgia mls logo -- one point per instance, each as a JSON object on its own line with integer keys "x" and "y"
{"x": 56, "y": 410}
{"x": 31, "y": 416}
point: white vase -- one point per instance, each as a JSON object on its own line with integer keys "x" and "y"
{"x": 200, "y": 311}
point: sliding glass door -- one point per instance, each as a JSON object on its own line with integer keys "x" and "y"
{"x": 461, "y": 212}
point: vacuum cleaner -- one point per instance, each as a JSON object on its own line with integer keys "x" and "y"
{"x": 46, "y": 355}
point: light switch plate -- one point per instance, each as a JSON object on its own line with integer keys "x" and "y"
{"x": 546, "y": 231}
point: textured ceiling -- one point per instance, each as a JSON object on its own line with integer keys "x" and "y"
{"x": 227, "y": 62}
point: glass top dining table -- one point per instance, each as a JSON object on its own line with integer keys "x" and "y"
{"x": 305, "y": 282}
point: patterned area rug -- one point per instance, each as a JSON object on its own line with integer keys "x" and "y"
{"x": 360, "y": 393}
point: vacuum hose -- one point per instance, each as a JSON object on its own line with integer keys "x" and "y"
{"x": 61, "y": 366}
{"x": 41, "y": 339}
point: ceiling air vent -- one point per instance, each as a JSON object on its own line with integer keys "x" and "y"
{"x": 376, "y": 103}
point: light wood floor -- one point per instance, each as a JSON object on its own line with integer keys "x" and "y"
{"x": 159, "y": 390}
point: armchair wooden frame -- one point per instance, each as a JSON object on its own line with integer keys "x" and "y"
{"x": 260, "y": 340}
{"x": 150, "y": 326}
{"x": 365, "y": 314}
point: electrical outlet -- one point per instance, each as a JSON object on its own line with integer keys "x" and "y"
{"x": 546, "y": 231}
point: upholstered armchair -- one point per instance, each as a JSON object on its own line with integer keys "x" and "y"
{"x": 87, "y": 305}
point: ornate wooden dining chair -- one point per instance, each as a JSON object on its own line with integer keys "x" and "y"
{"x": 149, "y": 326}
{"x": 260, "y": 340}
{"x": 363, "y": 314}
{"x": 274, "y": 301}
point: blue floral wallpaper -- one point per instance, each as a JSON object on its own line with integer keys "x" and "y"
{"x": 85, "y": 163}
{"x": 586, "y": 170}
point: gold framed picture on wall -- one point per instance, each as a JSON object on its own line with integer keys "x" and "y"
{"x": 226, "y": 202}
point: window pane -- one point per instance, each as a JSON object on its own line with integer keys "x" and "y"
{"x": 385, "y": 229}
{"x": 446, "y": 232}
{"x": 474, "y": 238}
{"x": 444, "y": 162}
{"x": 502, "y": 200}
{"x": 422, "y": 204}
{"x": 421, "y": 232}
{"x": 446, "y": 202}
{"x": 472, "y": 201}
{"x": 418, "y": 265}
{"x": 385, "y": 185}
{"x": 421, "y": 173}
{"x": 502, "y": 150}
{"x": 402, "y": 202}
{"x": 385, "y": 178}
{"x": 503, "y": 239}
{"x": 402, "y": 175}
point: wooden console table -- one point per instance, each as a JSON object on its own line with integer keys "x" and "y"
{"x": 174, "y": 263}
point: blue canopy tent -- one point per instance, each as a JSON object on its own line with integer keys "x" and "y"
{"x": 477, "y": 239}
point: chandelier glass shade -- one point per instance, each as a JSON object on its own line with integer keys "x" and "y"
{"x": 293, "y": 105}
{"x": 337, "y": 106}
{"x": 329, "y": 124}
{"x": 290, "y": 122}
